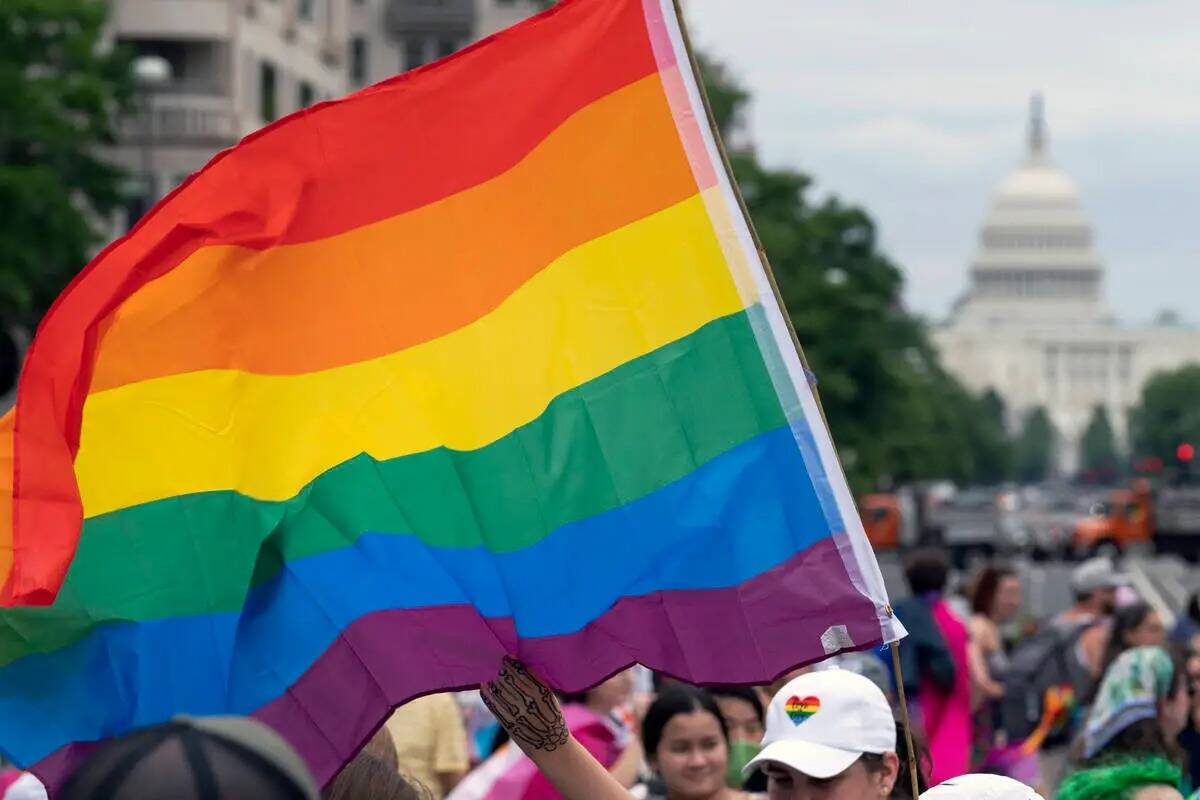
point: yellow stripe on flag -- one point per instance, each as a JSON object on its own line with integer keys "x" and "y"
{"x": 598, "y": 306}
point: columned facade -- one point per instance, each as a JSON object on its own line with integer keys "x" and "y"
{"x": 1034, "y": 323}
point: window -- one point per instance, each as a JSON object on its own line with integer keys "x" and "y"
{"x": 358, "y": 60}
{"x": 307, "y": 94}
{"x": 446, "y": 47}
{"x": 267, "y": 105}
{"x": 414, "y": 52}
{"x": 307, "y": 9}
{"x": 135, "y": 207}
{"x": 139, "y": 201}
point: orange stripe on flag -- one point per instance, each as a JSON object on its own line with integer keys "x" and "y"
{"x": 313, "y": 306}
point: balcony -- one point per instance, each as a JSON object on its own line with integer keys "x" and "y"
{"x": 451, "y": 18}
{"x": 183, "y": 119}
{"x": 184, "y": 19}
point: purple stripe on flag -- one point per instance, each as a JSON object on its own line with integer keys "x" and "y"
{"x": 696, "y": 635}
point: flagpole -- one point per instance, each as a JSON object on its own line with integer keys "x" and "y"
{"x": 908, "y": 737}
{"x": 737, "y": 193}
{"x": 766, "y": 263}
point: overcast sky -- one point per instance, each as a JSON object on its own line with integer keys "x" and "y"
{"x": 917, "y": 109}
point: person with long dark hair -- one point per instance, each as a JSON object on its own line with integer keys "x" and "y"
{"x": 687, "y": 745}
{"x": 995, "y": 600}
{"x": 1135, "y": 625}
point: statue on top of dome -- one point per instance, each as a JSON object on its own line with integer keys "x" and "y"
{"x": 1037, "y": 127}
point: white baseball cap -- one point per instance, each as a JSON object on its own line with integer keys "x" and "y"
{"x": 981, "y": 787}
{"x": 821, "y": 723}
{"x": 26, "y": 787}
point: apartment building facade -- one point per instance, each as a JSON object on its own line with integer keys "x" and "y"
{"x": 236, "y": 65}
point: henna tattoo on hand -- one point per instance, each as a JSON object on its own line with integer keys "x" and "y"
{"x": 526, "y": 708}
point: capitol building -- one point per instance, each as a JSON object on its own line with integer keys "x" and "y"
{"x": 1034, "y": 323}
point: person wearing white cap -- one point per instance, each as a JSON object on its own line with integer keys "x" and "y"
{"x": 1094, "y": 584}
{"x": 981, "y": 787}
{"x": 831, "y": 736}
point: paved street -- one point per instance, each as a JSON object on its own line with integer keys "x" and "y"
{"x": 1164, "y": 582}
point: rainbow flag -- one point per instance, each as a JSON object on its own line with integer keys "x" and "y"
{"x": 479, "y": 360}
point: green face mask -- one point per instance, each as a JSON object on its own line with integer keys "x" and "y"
{"x": 740, "y": 754}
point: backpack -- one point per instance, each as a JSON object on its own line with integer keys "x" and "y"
{"x": 1044, "y": 687}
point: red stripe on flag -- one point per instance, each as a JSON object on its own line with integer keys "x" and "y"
{"x": 390, "y": 148}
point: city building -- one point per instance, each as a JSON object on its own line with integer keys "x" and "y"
{"x": 228, "y": 67}
{"x": 211, "y": 71}
{"x": 1034, "y": 323}
{"x": 391, "y": 36}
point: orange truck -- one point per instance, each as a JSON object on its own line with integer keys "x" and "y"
{"x": 882, "y": 518}
{"x": 1125, "y": 517}
{"x": 892, "y": 520}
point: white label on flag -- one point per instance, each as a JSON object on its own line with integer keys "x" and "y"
{"x": 836, "y": 639}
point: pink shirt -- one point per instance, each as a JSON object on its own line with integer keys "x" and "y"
{"x": 947, "y": 717}
{"x": 597, "y": 736}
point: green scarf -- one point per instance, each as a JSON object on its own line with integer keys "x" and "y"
{"x": 1129, "y": 693}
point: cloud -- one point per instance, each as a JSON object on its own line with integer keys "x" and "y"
{"x": 916, "y": 139}
{"x": 917, "y": 109}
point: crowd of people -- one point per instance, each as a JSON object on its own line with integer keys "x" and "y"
{"x": 1093, "y": 702}
{"x": 1098, "y": 702}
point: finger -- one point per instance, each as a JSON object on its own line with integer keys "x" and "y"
{"x": 517, "y": 686}
{"x": 507, "y": 704}
{"x": 523, "y": 678}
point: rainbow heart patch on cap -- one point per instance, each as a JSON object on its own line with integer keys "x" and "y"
{"x": 801, "y": 708}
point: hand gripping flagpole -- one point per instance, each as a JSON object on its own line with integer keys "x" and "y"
{"x": 766, "y": 262}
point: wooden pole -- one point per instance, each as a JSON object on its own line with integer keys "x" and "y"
{"x": 766, "y": 264}
{"x": 737, "y": 192}
{"x": 908, "y": 737}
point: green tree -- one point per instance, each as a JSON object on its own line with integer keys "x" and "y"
{"x": 1168, "y": 413}
{"x": 1098, "y": 457}
{"x": 895, "y": 414}
{"x": 726, "y": 97}
{"x": 995, "y": 408}
{"x": 1033, "y": 456}
{"x": 991, "y": 446}
{"x": 59, "y": 94}
{"x": 893, "y": 410}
